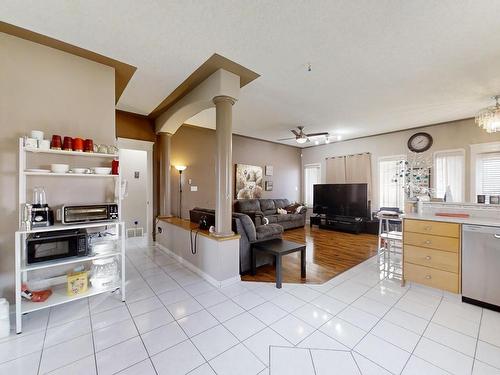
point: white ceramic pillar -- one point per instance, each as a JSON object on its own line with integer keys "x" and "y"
{"x": 165, "y": 196}
{"x": 223, "y": 165}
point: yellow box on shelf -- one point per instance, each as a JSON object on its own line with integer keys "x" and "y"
{"x": 78, "y": 283}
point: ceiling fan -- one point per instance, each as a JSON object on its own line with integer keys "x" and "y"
{"x": 301, "y": 137}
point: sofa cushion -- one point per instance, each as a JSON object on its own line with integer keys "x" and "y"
{"x": 267, "y": 206}
{"x": 248, "y": 205}
{"x": 268, "y": 231}
{"x": 282, "y": 218}
{"x": 281, "y": 203}
{"x": 273, "y": 219}
{"x": 291, "y": 208}
{"x": 247, "y": 224}
{"x": 294, "y": 217}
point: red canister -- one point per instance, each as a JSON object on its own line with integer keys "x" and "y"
{"x": 56, "y": 142}
{"x": 115, "y": 164}
{"x": 77, "y": 144}
{"x": 68, "y": 144}
{"x": 88, "y": 145}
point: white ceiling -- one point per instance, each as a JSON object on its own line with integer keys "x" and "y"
{"x": 377, "y": 66}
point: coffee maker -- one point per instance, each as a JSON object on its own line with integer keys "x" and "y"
{"x": 39, "y": 214}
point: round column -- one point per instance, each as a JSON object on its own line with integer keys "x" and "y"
{"x": 223, "y": 165}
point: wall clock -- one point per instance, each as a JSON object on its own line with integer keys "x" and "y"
{"x": 420, "y": 142}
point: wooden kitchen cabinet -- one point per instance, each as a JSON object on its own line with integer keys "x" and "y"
{"x": 431, "y": 254}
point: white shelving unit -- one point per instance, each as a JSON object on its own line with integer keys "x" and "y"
{"x": 22, "y": 269}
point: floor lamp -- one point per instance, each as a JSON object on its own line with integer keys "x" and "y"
{"x": 180, "y": 168}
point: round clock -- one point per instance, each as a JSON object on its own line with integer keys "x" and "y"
{"x": 420, "y": 142}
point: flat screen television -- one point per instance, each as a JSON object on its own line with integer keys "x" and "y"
{"x": 341, "y": 200}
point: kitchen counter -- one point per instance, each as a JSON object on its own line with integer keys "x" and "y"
{"x": 458, "y": 220}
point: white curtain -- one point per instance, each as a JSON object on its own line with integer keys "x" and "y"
{"x": 449, "y": 171}
{"x": 335, "y": 170}
{"x": 358, "y": 170}
{"x": 350, "y": 169}
{"x": 312, "y": 176}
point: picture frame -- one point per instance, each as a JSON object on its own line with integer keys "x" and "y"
{"x": 269, "y": 186}
{"x": 248, "y": 181}
{"x": 269, "y": 170}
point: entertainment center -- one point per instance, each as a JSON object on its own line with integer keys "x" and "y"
{"x": 343, "y": 207}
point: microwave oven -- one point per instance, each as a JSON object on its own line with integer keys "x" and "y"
{"x": 89, "y": 213}
{"x": 58, "y": 244}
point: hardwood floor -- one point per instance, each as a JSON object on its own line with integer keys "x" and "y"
{"x": 329, "y": 253}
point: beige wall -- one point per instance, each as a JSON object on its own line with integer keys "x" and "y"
{"x": 452, "y": 135}
{"x": 46, "y": 89}
{"x": 195, "y": 147}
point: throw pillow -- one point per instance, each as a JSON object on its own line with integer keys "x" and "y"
{"x": 282, "y": 211}
{"x": 299, "y": 208}
{"x": 292, "y": 208}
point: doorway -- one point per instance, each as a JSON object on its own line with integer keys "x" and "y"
{"x": 137, "y": 170}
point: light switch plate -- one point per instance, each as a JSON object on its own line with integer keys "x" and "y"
{"x": 194, "y": 188}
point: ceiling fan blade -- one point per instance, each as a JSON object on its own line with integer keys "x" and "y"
{"x": 297, "y": 134}
{"x": 317, "y": 134}
{"x": 286, "y": 139}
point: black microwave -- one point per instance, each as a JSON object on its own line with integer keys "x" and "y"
{"x": 59, "y": 244}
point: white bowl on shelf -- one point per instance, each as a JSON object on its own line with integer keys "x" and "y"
{"x": 80, "y": 170}
{"x": 101, "y": 170}
{"x": 59, "y": 168}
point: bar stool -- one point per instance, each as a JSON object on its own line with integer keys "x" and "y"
{"x": 390, "y": 243}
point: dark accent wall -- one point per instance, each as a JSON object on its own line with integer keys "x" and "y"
{"x": 195, "y": 147}
{"x": 134, "y": 126}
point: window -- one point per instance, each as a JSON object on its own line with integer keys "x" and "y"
{"x": 312, "y": 176}
{"x": 488, "y": 173}
{"x": 449, "y": 170}
{"x": 391, "y": 192}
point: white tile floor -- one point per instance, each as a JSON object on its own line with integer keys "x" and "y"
{"x": 176, "y": 323}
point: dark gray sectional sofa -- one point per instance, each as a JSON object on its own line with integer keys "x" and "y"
{"x": 250, "y": 233}
{"x": 260, "y": 208}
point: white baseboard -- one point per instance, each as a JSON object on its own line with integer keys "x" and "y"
{"x": 192, "y": 267}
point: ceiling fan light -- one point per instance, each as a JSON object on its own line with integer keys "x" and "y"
{"x": 316, "y": 142}
{"x": 327, "y": 140}
{"x": 301, "y": 140}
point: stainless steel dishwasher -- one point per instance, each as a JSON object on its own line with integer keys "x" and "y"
{"x": 481, "y": 265}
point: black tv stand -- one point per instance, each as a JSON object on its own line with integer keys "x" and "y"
{"x": 343, "y": 223}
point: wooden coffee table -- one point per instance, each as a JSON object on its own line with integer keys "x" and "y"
{"x": 278, "y": 248}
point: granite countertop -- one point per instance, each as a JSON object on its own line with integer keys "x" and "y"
{"x": 459, "y": 220}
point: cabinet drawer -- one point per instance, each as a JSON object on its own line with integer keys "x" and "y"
{"x": 432, "y": 227}
{"x": 431, "y": 277}
{"x": 432, "y": 242}
{"x": 441, "y": 260}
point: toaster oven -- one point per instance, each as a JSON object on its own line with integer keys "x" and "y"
{"x": 89, "y": 213}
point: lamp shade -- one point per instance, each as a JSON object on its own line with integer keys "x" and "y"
{"x": 180, "y": 168}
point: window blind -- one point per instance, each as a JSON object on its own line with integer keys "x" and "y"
{"x": 488, "y": 174}
{"x": 312, "y": 176}
{"x": 449, "y": 169}
{"x": 391, "y": 192}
